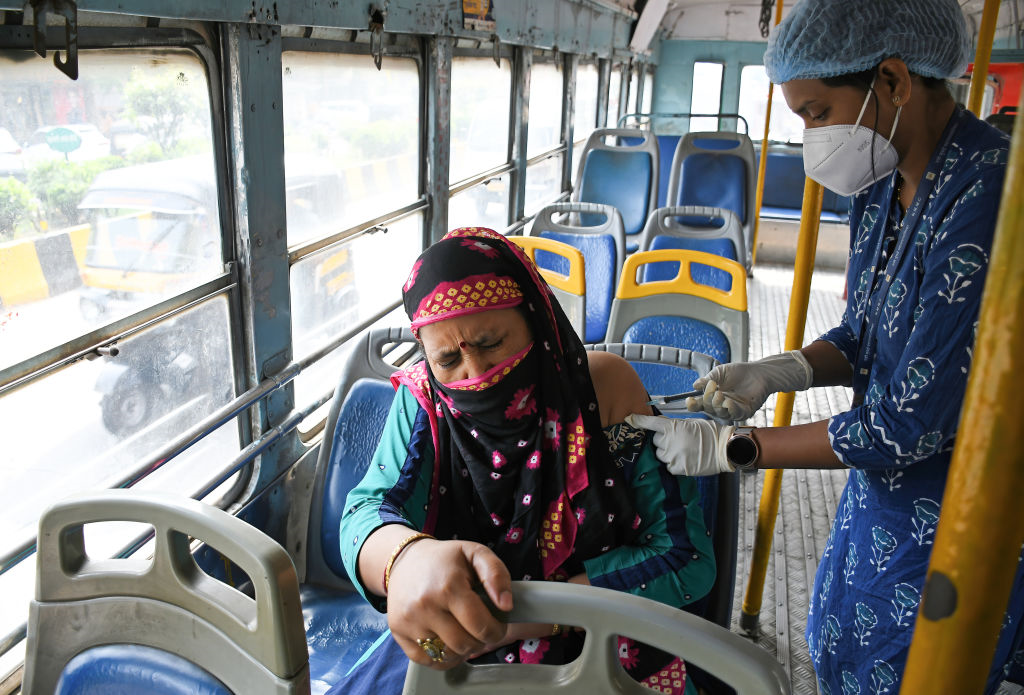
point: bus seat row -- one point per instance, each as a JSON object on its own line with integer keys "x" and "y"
{"x": 784, "y": 188}
{"x": 628, "y": 169}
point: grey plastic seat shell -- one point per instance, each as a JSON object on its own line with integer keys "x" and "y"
{"x": 169, "y": 603}
{"x": 735, "y": 325}
{"x": 661, "y": 223}
{"x": 648, "y": 144}
{"x": 606, "y": 614}
{"x": 612, "y": 226}
{"x": 365, "y": 361}
{"x": 744, "y": 150}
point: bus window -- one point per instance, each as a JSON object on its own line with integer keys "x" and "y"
{"x": 585, "y": 115}
{"x": 614, "y": 87}
{"x": 706, "y": 96}
{"x": 634, "y": 88}
{"x": 543, "y": 183}
{"x": 545, "y": 112}
{"x": 480, "y": 105}
{"x": 351, "y": 140}
{"x": 786, "y": 126}
{"x": 544, "y": 177}
{"x": 648, "y": 92}
{"x": 122, "y": 222}
{"x": 343, "y": 286}
{"x": 482, "y": 205}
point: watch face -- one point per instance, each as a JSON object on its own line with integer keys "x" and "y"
{"x": 741, "y": 451}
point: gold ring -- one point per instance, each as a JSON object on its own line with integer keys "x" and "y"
{"x": 435, "y": 648}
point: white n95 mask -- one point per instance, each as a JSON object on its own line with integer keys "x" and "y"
{"x": 847, "y": 159}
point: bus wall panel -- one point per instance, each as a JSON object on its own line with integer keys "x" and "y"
{"x": 583, "y": 26}
{"x": 673, "y": 79}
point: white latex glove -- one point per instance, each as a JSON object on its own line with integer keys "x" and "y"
{"x": 736, "y": 390}
{"x": 688, "y": 447}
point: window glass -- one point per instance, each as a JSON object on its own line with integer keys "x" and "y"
{"x": 545, "y": 127}
{"x": 346, "y": 285}
{"x": 480, "y": 103}
{"x": 108, "y": 201}
{"x": 706, "y": 96}
{"x": 585, "y": 116}
{"x": 351, "y": 140}
{"x": 786, "y": 126}
{"x": 648, "y": 92}
{"x": 106, "y": 415}
{"x": 614, "y": 86}
{"x": 543, "y": 183}
{"x": 483, "y": 205}
{"x": 634, "y": 87}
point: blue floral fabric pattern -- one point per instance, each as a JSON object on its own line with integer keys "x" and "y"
{"x": 899, "y": 438}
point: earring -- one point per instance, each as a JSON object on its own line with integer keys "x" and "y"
{"x": 896, "y": 101}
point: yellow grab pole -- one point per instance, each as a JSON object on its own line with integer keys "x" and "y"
{"x": 806, "y": 245}
{"x": 986, "y": 31}
{"x": 981, "y": 528}
{"x": 762, "y": 164}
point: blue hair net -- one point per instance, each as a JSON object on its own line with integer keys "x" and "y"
{"x": 825, "y": 38}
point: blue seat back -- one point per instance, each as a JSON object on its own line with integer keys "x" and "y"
{"x": 620, "y": 167}
{"x": 354, "y": 439}
{"x": 621, "y": 179}
{"x": 680, "y": 332}
{"x": 600, "y": 273}
{"x": 127, "y": 669}
{"x": 714, "y": 180}
{"x": 666, "y": 148}
{"x": 784, "y": 188}
{"x": 704, "y": 274}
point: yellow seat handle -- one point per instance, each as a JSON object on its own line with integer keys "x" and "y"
{"x": 572, "y": 283}
{"x": 683, "y": 283}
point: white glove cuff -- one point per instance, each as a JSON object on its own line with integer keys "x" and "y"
{"x": 808, "y": 373}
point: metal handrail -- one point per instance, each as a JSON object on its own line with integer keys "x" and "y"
{"x": 653, "y": 115}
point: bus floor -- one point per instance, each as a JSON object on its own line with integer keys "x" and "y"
{"x": 808, "y": 501}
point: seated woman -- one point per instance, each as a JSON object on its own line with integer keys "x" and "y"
{"x": 505, "y": 456}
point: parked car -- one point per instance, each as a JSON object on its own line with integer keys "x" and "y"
{"x": 11, "y": 155}
{"x": 77, "y": 142}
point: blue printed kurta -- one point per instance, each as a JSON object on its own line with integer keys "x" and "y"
{"x": 898, "y": 442}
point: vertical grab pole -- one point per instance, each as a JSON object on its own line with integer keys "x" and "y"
{"x": 762, "y": 164}
{"x": 980, "y": 530}
{"x": 986, "y": 31}
{"x": 810, "y": 215}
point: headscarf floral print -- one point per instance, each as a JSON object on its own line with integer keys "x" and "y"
{"x": 523, "y": 464}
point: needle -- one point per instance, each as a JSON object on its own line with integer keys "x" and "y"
{"x": 663, "y": 400}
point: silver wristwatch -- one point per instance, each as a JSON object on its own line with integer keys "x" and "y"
{"x": 742, "y": 450}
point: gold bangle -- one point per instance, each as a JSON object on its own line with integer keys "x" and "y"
{"x": 398, "y": 551}
{"x": 556, "y": 630}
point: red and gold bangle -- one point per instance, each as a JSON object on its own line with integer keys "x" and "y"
{"x": 406, "y": 542}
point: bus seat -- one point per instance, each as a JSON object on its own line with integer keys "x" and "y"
{"x": 717, "y": 169}
{"x": 681, "y": 312}
{"x": 117, "y": 625}
{"x": 605, "y": 614}
{"x": 784, "y": 188}
{"x": 695, "y": 228}
{"x": 568, "y": 287}
{"x": 719, "y": 494}
{"x": 666, "y": 149}
{"x": 623, "y": 173}
{"x": 597, "y": 231}
{"x": 339, "y": 623}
